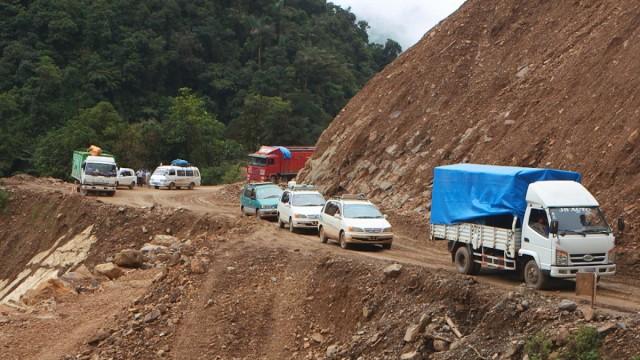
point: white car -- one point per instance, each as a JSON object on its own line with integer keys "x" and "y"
{"x": 126, "y": 177}
{"x": 352, "y": 219}
{"x": 299, "y": 207}
{"x": 175, "y": 177}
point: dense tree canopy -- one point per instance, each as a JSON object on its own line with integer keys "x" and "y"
{"x": 152, "y": 80}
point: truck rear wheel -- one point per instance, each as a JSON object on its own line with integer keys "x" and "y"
{"x": 463, "y": 260}
{"x": 534, "y": 277}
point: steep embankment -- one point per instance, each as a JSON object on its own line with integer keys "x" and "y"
{"x": 511, "y": 82}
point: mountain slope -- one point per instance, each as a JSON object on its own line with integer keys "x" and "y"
{"x": 512, "y": 82}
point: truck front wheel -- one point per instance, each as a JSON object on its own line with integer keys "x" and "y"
{"x": 463, "y": 260}
{"x": 533, "y": 276}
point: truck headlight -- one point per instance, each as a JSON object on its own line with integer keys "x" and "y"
{"x": 300, "y": 216}
{"x": 611, "y": 255}
{"x": 562, "y": 257}
{"x": 355, "y": 229}
{"x": 387, "y": 230}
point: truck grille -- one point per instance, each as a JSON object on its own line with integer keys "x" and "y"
{"x": 373, "y": 230}
{"x": 587, "y": 258}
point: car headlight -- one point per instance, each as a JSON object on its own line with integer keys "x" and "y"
{"x": 300, "y": 216}
{"x": 611, "y": 255}
{"x": 387, "y": 229}
{"x": 355, "y": 229}
{"x": 562, "y": 257}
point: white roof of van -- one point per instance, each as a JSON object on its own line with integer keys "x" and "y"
{"x": 560, "y": 194}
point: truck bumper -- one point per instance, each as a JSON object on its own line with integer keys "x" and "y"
{"x": 97, "y": 188}
{"x": 365, "y": 238}
{"x": 571, "y": 271}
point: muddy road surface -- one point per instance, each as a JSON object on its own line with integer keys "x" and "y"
{"x": 618, "y": 293}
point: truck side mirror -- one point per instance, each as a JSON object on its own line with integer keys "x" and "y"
{"x": 621, "y": 224}
{"x": 554, "y": 227}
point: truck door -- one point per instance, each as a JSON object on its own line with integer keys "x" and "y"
{"x": 535, "y": 235}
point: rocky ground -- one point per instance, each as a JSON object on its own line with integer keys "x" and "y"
{"x": 161, "y": 282}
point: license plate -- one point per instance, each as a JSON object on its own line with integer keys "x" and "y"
{"x": 589, "y": 270}
{"x": 372, "y": 238}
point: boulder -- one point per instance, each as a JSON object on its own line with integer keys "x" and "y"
{"x": 50, "y": 289}
{"x": 164, "y": 240}
{"x": 392, "y": 270}
{"x": 332, "y": 351}
{"x": 109, "y": 270}
{"x": 129, "y": 258}
{"x": 198, "y": 266}
{"x": 567, "y": 305}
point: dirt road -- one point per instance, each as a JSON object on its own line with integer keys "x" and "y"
{"x": 618, "y": 293}
{"x": 622, "y": 294}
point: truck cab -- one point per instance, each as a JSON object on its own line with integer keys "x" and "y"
{"x": 565, "y": 231}
{"x": 97, "y": 174}
{"x": 277, "y": 163}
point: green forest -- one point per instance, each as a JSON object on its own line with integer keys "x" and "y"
{"x": 155, "y": 80}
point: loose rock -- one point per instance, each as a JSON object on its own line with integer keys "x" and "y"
{"x": 392, "y": 270}
{"x": 129, "y": 258}
{"x": 109, "y": 270}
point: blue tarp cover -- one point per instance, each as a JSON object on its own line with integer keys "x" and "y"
{"x": 285, "y": 152}
{"x": 467, "y": 192}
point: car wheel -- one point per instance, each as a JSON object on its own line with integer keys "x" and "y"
{"x": 291, "y": 228}
{"x": 172, "y": 186}
{"x": 191, "y": 186}
{"x": 463, "y": 260}
{"x": 323, "y": 237}
{"x": 157, "y": 187}
{"x": 343, "y": 242}
{"x": 534, "y": 277}
{"x": 280, "y": 222}
{"x": 132, "y": 186}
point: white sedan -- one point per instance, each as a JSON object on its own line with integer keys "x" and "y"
{"x": 354, "y": 220}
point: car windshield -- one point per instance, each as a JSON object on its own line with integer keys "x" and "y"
{"x": 160, "y": 172}
{"x": 579, "y": 219}
{"x": 98, "y": 169}
{"x": 307, "y": 200}
{"x": 257, "y": 161}
{"x": 361, "y": 211}
{"x": 268, "y": 192}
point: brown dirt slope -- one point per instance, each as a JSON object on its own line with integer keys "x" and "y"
{"x": 510, "y": 82}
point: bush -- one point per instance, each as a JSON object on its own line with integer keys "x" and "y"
{"x": 224, "y": 174}
{"x": 538, "y": 347}
{"x": 583, "y": 345}
{"x": 4, "y": 199}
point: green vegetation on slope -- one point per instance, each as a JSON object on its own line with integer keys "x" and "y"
{"x": 155, "y": 80}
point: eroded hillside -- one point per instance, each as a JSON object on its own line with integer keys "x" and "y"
{"x": 511, "y": 82}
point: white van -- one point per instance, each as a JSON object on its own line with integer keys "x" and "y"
{"x": 175, "y": 177}
{"x": 126, "y": 177}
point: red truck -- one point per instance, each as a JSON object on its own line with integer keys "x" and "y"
{"x": 277, "y": 163}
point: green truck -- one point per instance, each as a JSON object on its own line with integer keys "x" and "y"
{"x": 96, "y": 174}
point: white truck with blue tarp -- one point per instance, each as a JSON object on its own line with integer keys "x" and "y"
{"x": 541, "y": 222}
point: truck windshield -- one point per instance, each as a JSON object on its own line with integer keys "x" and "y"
{"x": 98, "y": 169}
{"x": 257, "y": 161}
{"x": 361, "y": 211}
{"x": 268, "y": 192}
{"x": 579, "y": 220}
{"x": 307, "y": 200}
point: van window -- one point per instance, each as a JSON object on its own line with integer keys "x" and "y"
{"x": 285, "y": 198}
{"x": 180, "y": 172}
{"x": 196, "y": 172}
{"x": 331, "y": 208}
{"x": 247, "y": 192}
{"x": 172, "y": 172}
{"x": 189, "y": 172}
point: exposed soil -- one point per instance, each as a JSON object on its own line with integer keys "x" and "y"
{"x": 233, "y": 287}
{"x": 507, "y": 82}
